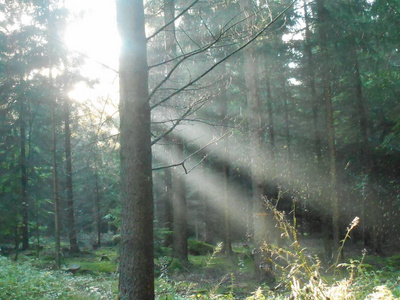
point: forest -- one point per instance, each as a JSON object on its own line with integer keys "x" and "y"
{"x": 242, "y": 150}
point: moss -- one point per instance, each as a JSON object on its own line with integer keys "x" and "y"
{"x": 110, "y": 252}
{"x": 196, "y": 247}
{"x": 92, "y": 265}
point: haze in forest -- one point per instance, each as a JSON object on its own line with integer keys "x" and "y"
{"x": 200, "y": 149}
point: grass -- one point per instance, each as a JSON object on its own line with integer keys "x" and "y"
{"x": 22, "y": 280}
{"x": 211, "y": 275}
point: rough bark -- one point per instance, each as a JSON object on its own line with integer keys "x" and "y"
{"x": 136, "y": 280}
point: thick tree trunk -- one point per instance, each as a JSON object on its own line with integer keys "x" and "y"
{"x": 136, "y": 280}
{"x": 73, "y": 243}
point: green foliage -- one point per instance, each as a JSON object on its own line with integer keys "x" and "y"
{"x": 196, "y": 247}
{"x": 22, "y": 281}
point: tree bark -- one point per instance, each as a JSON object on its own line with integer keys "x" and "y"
{"x": 136, "y": 280}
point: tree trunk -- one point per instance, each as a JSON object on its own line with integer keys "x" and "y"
{"x": 56, "y": 199}
{"x": 227, "y": 202}
{"x": 180, "y": 234}
{"x": 168, "y": 208}
{"x": 270, "y": 126}
{"x": 287, "y": 130}
{"x": 327, "y": 96}
{"x": 97, "y": 206}
{"x": 369, "y": 208}
{"x": 136, "y": 280}
{"x": 73, "y": 243}
{"x": 310, "y": 67}
{"x": 256, "y": 131}
{"x": 225, "y": 174}
{"x": 24, "y": 177}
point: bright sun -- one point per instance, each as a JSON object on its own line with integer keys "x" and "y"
{"x": 95, "y": 35}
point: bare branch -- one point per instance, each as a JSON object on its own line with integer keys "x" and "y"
{"x": 226, "y": 28}
{"x": 173, "y": 20}
{"x": 182, "y": 163}
{"x": 258, "y": 34}
{"x": 192, "y": 108}
{"x": 200, "y": 50}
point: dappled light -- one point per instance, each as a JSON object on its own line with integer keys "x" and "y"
{"x": 199, "y": 149}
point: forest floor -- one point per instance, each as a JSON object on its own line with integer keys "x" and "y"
{"x": 92, "y": 274}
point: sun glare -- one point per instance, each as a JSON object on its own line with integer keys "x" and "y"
{"x": 93, "y": 33}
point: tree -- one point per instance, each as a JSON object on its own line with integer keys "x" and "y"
{"x": 180, "y": 235}
{"x": 73, "y": 243}
{"x": 256, "y": 138}
{"x": 330, "y": 130}
{"x": 136, "y": 279}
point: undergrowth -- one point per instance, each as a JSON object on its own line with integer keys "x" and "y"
{"x": 298, "y": 275}
{"x": 22, "y": 281}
